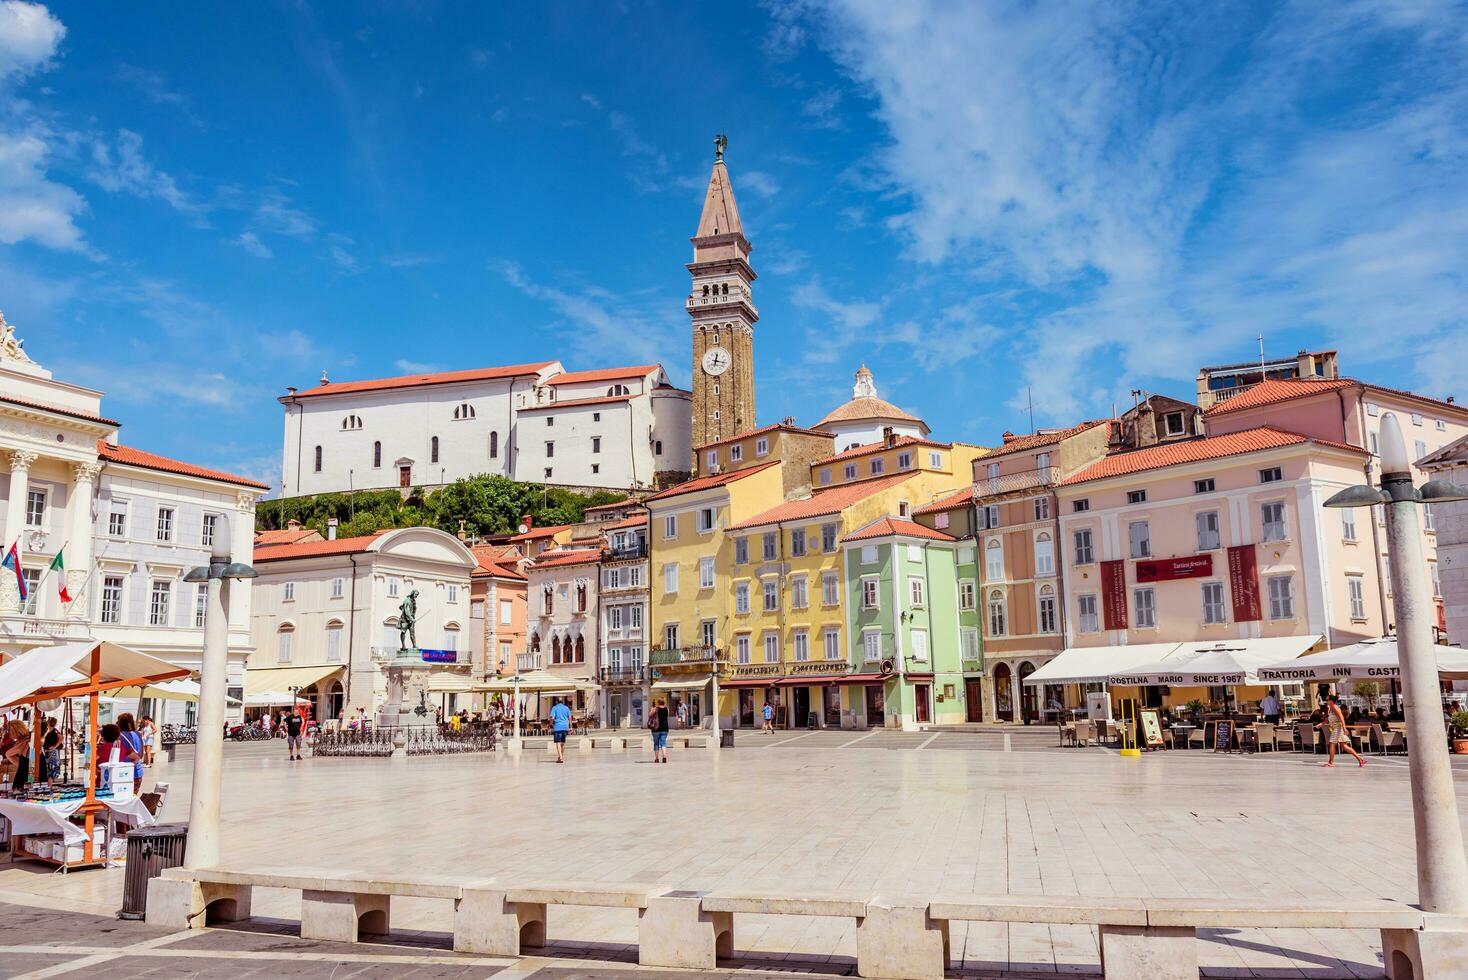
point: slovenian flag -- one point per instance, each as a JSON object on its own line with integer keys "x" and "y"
{"x": 12, "y": 562}
{"x": 59, "y": 568}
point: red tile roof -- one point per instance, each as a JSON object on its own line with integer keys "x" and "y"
{"x": 574, "y": 402}
{"x": 636, "y": 520}
{"x": 606, "y": 374}
{"x": 556, "y": 559}
{"x": 709, "y": 482}
{"x": 764, "y": 429}
{"x": 1039, "y": 439}
{"x": 887, "y": 526}
{"x": 961, "y": 498}
{"x": 830, "y": 500}
{"x": 419, "y": 380}
{"x": 56, "y": 410}
{"x": 1278, "y": 390}
{"x": 494, "y": 563}
{"x": 127, "y": 456}
{"x": 289, "y": 535}
{"x": 614, "y": 505}
{"x": 1196, "y": 450}
{"x": 876, "y": 447}
{"x": 317, "y": 549}
{"x": 550, "y": 530}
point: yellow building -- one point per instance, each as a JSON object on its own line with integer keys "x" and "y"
{"x": 689, "y": 571}
{"x": 787, "y": 640}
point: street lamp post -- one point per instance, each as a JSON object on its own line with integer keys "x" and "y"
{"x": 1442, "y": 868}
{"x": 202, "y": 849}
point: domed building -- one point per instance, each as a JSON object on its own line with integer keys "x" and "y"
{"x": 866, "y": 417}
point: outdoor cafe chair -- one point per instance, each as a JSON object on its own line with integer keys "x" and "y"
{"x": 1391, "y": 738}
{"x": 1085, "y": 731}
{"x": 1067, "y": 732}
{"x": 1285, "y": 735}
{"x": 1098, "y": 727}
{"x": 1263, "y": 735}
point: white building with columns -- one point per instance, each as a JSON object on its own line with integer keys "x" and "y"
{"x": 618, "y": 428}
{"x": 128, "y": 524}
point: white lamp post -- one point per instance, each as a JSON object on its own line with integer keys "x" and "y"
{"x": 1442, "y": 868}
{"x": 202, "y": 849}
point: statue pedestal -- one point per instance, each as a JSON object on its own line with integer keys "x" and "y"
{"x": 407, "y": 704}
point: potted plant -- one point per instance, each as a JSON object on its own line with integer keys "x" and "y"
{"x": 1459, "y": 726}
{"x": 1195, "y": 709}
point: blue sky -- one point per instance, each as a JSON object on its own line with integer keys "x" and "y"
{"x": 203, "y": 203}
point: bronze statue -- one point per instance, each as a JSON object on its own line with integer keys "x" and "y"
{"x": 408, "y": 621}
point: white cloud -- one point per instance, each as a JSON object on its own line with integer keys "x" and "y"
{"x": 275, "y": 213}
{"x": 29, "y": 37}
{"x": 594, "y": 321}
{"x": 154, "y": 87}
{"x": 32, "y": 206}
{"x": 344, "y": 260}
{"x": 408, "y": 261}
{"x": 121, "y": 167}
{"x": 1172, "y": 182}
{"x": 413, "y": 367}
{"x": 820, "y": 109}
{"x": 759, "y": 182}
{"x": 252, "y": 244}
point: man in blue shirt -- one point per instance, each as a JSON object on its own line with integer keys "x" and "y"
{"x": 560, "y": 727}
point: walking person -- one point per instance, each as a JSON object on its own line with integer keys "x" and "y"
{"x": 51, "y": 751}
{"x": 560, "y": 727}
{"x": 682, "y": 714}
{"x": 769, "y": 716}
{"x": 134, "y": 743}
{"x": 149, "y": 731}
{"x": 1336, "y": 735}
{"x": 657, "y": 723}
{"x": 294, "y": 725}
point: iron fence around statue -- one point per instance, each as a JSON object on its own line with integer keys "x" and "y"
{"x": 417, "y": 741}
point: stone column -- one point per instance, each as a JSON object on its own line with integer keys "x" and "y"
{"x": 80, "y": 532}
{"x": 20, "y": 474}
{"x": 241, "y": 530}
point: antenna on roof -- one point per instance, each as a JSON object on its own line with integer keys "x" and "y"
{"x": 1030, "y": 396}
{"x": 1261, "y": 357}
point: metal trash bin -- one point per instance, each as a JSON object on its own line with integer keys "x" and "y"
{"x": 149, "y": 851}
{"x": 726, "y": 738}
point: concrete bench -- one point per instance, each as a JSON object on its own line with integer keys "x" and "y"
{"x": 1151, "y": 937}
{"x": 692, "y": 930}
{"x": 613, "y": 742}
{"x": 503, "y": 920}
{"x": 335, "y": 905}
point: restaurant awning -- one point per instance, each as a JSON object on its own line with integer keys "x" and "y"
{"x": 1376, "y": 658}
{"x": 182, "y": 689}
{"x": 691, "y": 684}
{"x": 66, "y": 670}
{"x": 261, "y": 680}
{"x": 443, "y": 682}
{"x": 1224, "y": 663}
{"x": 536, "y": 682}
{"x": 1087, "y": 665}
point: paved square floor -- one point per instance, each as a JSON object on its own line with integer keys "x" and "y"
{"x": 829, "y": 811}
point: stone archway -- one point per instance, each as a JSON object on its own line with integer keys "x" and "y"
{"x": 1003, "y": 692}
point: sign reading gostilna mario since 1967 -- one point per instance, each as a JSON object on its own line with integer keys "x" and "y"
{"x": 1167, "y": 569}
{"x": 1113, "y": 594}
{"x": 1243, "y": 580}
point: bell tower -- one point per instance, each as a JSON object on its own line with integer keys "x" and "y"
{"x": 721, "y": 305}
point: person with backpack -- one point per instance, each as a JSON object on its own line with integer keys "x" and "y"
{"x": 657, "y": 723}
{"x": 294, "y": 724}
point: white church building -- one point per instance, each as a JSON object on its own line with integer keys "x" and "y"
{"x": 617, "y": 428}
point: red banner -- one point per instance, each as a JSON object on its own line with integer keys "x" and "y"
{"x": 1113, "y": 595}
{"x": 1243, "y": 580}
{"x": 1167, "y": 569}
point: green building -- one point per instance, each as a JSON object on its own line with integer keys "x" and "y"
{"x": 954, "y": 514}
{"x": 903, "y": 621}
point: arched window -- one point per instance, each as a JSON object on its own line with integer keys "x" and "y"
{"x": 726, "y": 289}
{"x": 352, "y": 422}
{"x": 318, "y": 459}
{"x": 534, "y": 642}
{"x": 998, "y": 614}
{"x": 705, "y": 290}
{"x": 494, "y": 445}
{"x": 451, "y": 637}
{"x": 993, "y": 561}
{"x": 376, "y": 455}
{"x": 581, "y": 649}
{"x": 1044, "y": 554}
{"x": 615, "y": 390}
{"x": 657, "y": 447}
{"x": 555, "y": 649}
{"x": 464, "y": 411}
{"x": 334, "y": 641}
{"x": 285, "y": 640}
{"x": 433, "y": 450}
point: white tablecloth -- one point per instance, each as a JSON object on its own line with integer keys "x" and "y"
{"x": 51, "y": 818}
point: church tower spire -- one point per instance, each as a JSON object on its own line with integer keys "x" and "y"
{"x": 721, "y": 305}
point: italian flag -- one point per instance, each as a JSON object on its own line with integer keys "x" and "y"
{"x": 59, "y": 568}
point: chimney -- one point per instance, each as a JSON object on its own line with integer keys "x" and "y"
{"x": 290, "y": 389}
{"x": 331, "y": 523}
{"x": 292, "y": 525}
{"x": 1452, "y": 400}
{"x": 889, "y": 438}
{"x": 527, "y": 520}
{"x": 463, "y": 532}
{"x": 1008, "y": 437}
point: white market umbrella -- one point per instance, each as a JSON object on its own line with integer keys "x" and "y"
{"x": 1369, "y": 659}
{"x": 1219, "y": 666}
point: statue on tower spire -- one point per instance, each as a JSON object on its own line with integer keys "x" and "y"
{"x": 721, "y": 143}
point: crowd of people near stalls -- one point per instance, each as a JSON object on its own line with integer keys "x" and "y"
{"x": 125, "y": 740}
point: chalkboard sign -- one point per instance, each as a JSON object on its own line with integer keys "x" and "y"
{"x": 1223, "y": 736}
{"x": 1151, "y": 729}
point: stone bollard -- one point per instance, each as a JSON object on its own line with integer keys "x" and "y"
{"x": 898, "y": 941}
{"x": 399, "y": 744}
{"x": 674, "y": 931}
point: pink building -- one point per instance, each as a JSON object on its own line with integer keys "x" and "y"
{"x": 1220, "y": 538}
{"x": 1349, "y": 411}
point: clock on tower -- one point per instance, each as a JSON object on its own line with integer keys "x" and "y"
{"x": 721, "y": 306}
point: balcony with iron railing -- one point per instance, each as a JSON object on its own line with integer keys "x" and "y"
{"x": 626, "y": 552}
{"x": 529, "y": 661}
{"x": 685, "y": 655}
{"x": 622, "y": 675}
{"x": 1006, "y": 483}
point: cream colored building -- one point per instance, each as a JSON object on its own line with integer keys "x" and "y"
{"x": 326, "y": 616}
